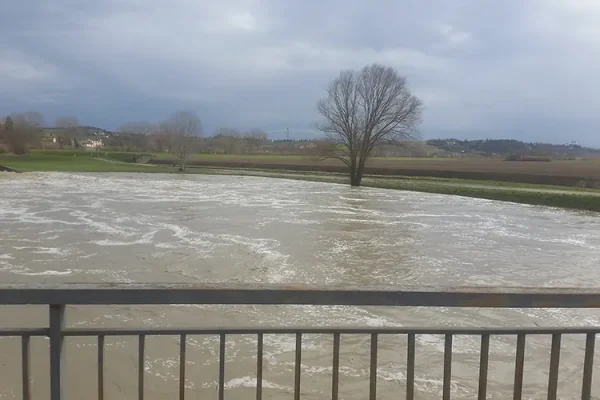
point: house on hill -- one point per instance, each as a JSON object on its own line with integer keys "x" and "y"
{"x": 92, "y": 143}
{"x": 52, "y": 135}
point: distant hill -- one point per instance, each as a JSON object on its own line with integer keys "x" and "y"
{"x": 80, "y": 131}
{"x": 91, "y": 131}
{"x": 513, "y": 148}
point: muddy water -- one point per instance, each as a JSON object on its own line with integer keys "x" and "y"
{"x": 164, "y": 228}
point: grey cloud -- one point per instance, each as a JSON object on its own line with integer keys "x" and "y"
{"x": 523, "y": 69}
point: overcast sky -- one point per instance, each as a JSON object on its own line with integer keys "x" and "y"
{"x": 525, "y": 69}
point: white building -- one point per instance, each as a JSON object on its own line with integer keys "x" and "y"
{"x": 95, "y": 143}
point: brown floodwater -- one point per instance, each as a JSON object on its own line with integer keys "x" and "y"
{"x": 65, "y": 227}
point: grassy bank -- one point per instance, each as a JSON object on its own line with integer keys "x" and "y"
{"x": 78, "y": 162}
{"x": 552, "y": 199}
{"x": 544, "y": 195}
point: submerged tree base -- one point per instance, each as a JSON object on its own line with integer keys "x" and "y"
{"x": 541, "y": 197}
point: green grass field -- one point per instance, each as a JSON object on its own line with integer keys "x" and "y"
{"x": 77, "y": 162}
{"x": 545, "y": 195}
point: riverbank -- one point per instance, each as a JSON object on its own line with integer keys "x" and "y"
{"x": 543, "y": 195}
{"x": 77, "y": 162}
{"x": 583, "y": 199}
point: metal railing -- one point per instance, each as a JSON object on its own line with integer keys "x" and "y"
{"x": 58, "y": 297}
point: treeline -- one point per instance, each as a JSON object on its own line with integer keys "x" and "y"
{"x": 144, "y": 137}
{"x": 156, "y": 138}
{"x": 218, "y": 143}
{"x": 513, "y": 149}
{"x": 21, "y": 132}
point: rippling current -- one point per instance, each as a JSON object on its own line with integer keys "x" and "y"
{"x": 57, "y": 227}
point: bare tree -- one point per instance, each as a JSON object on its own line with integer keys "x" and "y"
{"x": 33, "y": 119}
{"x": 325, "y": 146}
{"x": 22, "y": 131}
{"x": 156, "y": 136}
{"x": 140, "y": 127}
{"x": 6, "y": 128}
{"x": 365, "y": 109}
{"x": 153, "y": 139}
{"x": 256, "y": 138}
{"x": 68, "y": 125}
{"x": 183, "y": 129}
{"x": 66, "y": 122}
{"x": 227, "y": 139}
{"x": 160, "y": 141}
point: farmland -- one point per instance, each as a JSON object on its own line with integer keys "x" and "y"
{"x": 576, "y": 173}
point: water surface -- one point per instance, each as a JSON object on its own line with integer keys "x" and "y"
{"x": 57, "y": 227}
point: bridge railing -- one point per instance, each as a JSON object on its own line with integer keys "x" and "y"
{"x": 58, "y": 297}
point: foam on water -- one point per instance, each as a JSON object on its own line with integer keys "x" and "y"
{"x": 250, "y": 382}
{"x": 45, "y": 273}
{"x": 102, "y": 227}
{"x": 131, "y": 228}
{"x": 147, "y": 238}
{"x": 45, "y": 250}
{"x": 20, "y": 270}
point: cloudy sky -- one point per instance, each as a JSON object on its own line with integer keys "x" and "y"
{"x": 525, "y": 69}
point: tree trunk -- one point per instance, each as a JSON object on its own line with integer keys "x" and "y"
{"x": 358, "y": 175}
{"x": 355, "y": 176}
{"x": 359, "y": 169}
{"x": 355, "y": 180}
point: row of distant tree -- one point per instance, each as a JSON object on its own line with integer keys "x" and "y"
{"x": 21, "y": 132}
{"x": 180, "y": 134}
{"x": 157, "y": 137}
{"x": 514, "y": 149}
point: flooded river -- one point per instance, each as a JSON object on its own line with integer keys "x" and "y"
{"x": 58, "y": 227}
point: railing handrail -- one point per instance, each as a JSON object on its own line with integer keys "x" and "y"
{"x": 57, "y": 297}
{"x": 152, "y": 294}
{"x": 326, "y": 330}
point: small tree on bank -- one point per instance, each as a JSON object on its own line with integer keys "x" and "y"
{"x": 366, "y": 109}
{"x": 69, "y": 126}
{"x": 227, "y": 140}
{"x": 183, "y": 130}
{"x": 7, "y": 128}
{"x": 256, "y": 138}
{"x": 22, "y": 131}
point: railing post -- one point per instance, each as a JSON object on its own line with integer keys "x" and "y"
{"x": 57, "y": 356}
{"x": 588, "y": 366}
{"x": 25, "y": 367}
